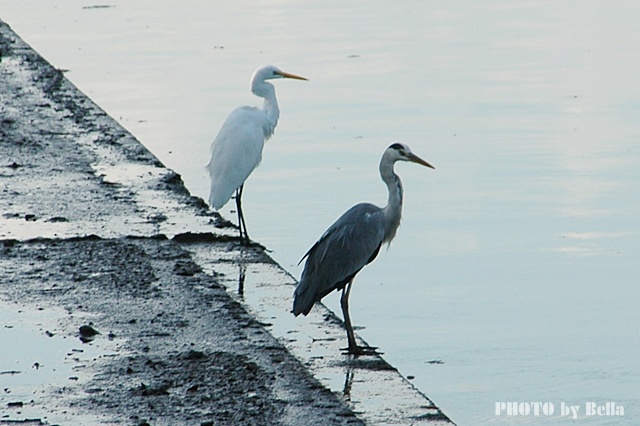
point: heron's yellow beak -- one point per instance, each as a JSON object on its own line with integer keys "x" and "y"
{"x": 415, "y": 159}
{"x": 288, "y": 75}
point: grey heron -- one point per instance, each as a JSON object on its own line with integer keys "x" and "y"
{"x": 351, "y": 243}
{"x": 237, "y": 149}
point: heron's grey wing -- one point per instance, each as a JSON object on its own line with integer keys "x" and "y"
{"x": 346, "y": 247}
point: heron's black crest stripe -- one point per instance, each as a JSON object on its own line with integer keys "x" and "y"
{"x": 398, "y": 186}
{"x": 397, "y": 146}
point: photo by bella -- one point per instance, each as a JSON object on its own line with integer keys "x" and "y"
{"x": 563, "y": 409}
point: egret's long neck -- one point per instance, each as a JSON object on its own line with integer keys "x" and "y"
{"x": 270, "y": 105}
{"x": 393, "y": 210}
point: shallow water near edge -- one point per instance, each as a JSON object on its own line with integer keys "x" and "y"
{"x": 514, "y": 274}
{"x": 36, "y": 356}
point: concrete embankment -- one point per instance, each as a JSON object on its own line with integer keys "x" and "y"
{"x": 119, "y": 290}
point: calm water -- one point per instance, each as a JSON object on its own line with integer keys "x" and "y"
{"x": 514, "y": 276}
{"x": 34, "y": 354}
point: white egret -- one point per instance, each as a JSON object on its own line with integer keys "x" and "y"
{"x": 237, "y": 149}
{"x": 352, "y": 242}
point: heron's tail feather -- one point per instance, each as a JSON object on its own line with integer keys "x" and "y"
{"x": 303, "y": 300}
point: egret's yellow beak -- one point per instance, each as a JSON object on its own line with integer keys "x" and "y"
{"x": 288, "y": 75}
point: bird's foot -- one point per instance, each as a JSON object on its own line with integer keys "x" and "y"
{"x": 356, "y": 350}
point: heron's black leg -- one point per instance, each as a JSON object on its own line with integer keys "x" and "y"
{"x": 353, "y": 348}
{"x": 344, "y": 303}
{"x": 244, "y": 236}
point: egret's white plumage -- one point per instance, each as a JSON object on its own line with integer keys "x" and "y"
{"x": 237, "y": 149}
{"x": 352, "y": 242}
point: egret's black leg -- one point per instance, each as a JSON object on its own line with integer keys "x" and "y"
{"x": 244, "y": 236}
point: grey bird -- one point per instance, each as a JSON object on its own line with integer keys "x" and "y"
{"x": 351, "y": 243}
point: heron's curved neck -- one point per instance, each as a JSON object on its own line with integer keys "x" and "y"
{"x": 270, "y": 105}
{"x": 393, "y": 210}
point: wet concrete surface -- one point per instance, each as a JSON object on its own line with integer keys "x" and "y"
{"x": 135, "y": 304}
{"x": 179, "y": 350}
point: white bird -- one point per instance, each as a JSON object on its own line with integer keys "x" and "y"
{"x": 352, "y": 242}
{"x": 237, "y": 149}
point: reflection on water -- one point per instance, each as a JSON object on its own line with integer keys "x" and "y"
{"x": 348, "y": 383}
{"x": 516, "y": 263}
{"x": 242, "y": 268}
